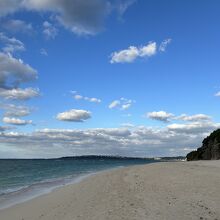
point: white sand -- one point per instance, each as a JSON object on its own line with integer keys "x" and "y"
{"x": 171, "y": 191}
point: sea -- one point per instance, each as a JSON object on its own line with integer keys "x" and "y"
{"x": 24, "y": 179}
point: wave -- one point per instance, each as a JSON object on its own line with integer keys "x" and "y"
{"x": 13, "y": 196}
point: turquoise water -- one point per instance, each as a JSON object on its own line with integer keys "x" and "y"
{"x": 24, "y": 179}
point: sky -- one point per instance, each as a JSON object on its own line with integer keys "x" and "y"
{"x": 108, "y": 77}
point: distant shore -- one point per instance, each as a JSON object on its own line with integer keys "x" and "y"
{"x": 169, "y": 190}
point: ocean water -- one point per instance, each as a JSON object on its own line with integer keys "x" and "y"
{"x": 21, "y": 180}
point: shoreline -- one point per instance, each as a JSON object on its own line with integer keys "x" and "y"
{"x": 169, "y": 190}
{"x": 28, "y": 193}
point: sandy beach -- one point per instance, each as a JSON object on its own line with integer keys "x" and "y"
{"x": 173, "y": 190}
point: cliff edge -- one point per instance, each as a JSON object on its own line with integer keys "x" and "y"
{"x": 210, "y": 149}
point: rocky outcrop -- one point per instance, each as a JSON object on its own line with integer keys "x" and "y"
{"x": 210, "y": 149}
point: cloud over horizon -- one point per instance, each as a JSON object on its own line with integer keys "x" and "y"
{"x": 137, "y": 141}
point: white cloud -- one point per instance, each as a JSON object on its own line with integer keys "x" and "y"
{"x": 12, "y": 110}
{"x": 80, "y": 97}
{"x": 74, "y": 115}
{"x": 126, "y": 106}
{"x": 49, "y": 30}
{"x": 132, "y": 53}
{"x": 15, "y": 25}
{"x": 167, "y": 117}
{"x": 125, "y": 56}
{"x": 164, "y": 44}
{"x": 15, "y": 70}
{"x": 95, "y": 100}
{"x": 136, "y": 141}
{"x": 160, "y": 116}
{"x": 81, "y": 17}
{"x": 196, "y": 117}
{"x": 122, "y": 104}
{"x": 19, "y": 94}
{"x": 11, "y": 44}
{"x": 194, "y": 127}
{"x": 149, "y": 50}
{"x": 114, "y": 104}
{"x": 16, "y": 121}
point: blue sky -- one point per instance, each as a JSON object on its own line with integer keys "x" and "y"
{"x": 136, "y": 78}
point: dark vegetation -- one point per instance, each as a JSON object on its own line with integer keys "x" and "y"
{"x": 210, "y": 149}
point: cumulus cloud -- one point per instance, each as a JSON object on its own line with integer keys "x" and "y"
{"x": 125, "y": 56}
{"x": 11, "y": 44}
{"x": 12, "y": 110}
{"x": 135, "y": 141}
{"x": 89, "y": 99}
{"x": 74, "y": 115}
{"x": 19, "y": 94}
{"x": 15, "y": 25}
{"x": 49, "y": 30}
{"x": 132, "y": 53}
{"x": 81, "y": 17}
{"x": 148, "y": 50}
{"x": 122, "y": 104}
{"x": 14, "y": 71}
{"x": 160, "y": 116}
{"x": 16, "y": 121}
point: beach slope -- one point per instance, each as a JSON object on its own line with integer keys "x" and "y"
{"x": 173, "y": 190}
